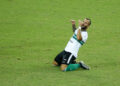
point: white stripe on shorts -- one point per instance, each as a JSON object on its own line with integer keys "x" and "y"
{"x": 69, "y": 59}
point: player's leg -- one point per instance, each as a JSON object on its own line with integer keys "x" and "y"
{"x": 69, "y": 67}
{"x": 55, "y": 63}
{"x": 58, "y": 59}
{"x": 74, "y": 66}
{"x": 67, "y": 63}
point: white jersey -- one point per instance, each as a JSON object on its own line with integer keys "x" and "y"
{"x": 74, "y": 44}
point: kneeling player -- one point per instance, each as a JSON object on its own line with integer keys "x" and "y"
{"x": 66, "y": 59}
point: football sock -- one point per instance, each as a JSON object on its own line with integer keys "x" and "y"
{"x": 71, "y": 67}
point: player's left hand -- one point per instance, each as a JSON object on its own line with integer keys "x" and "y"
{"x": 80, "y": 22}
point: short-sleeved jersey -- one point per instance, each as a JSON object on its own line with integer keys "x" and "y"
{"x": 74, "y": 44}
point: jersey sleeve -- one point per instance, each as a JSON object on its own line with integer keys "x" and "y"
{"x": 84, "y": 36}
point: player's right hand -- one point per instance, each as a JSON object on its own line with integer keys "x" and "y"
{"x": 73, "y": 21}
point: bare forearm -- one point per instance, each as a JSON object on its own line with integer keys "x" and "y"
{"x": 73, "y": 27}
{"x": 79, "y": 37}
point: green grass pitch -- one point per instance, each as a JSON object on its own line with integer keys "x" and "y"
{"x": 33, "y": 32}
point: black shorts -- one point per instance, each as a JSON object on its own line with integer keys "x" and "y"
{"x": 65, "y": 58}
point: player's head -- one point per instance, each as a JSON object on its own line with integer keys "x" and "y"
{"x": 86, "y": 23}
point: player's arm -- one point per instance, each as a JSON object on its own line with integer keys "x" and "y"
{"x": 79, "y": 36}
{"x": 73, "y": 25}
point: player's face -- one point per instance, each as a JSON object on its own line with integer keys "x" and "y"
{"x": 86, "y": 22}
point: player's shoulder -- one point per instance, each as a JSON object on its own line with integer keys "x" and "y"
{"x": 84, "y": 32}
{"x": 76, "y": 31}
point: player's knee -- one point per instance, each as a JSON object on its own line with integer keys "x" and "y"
{"x": 63, "y": 67}
{"x": 55, "y": 63}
